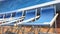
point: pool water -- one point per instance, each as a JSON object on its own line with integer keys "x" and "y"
{"x": 9, "y": 5}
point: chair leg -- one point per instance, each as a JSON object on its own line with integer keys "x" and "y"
{"x": 36, "y": 29}
{"x": 39, "y": 31}
{"x": 48, "y": 29}
{"x": 55, "y": 27}
{"x": 23, "y": 31}
{"x": 33, "y": 27}
{"x": 19, "y": 28}
{"x": 32, "y": 30}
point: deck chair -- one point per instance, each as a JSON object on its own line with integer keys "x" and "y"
{"x": 27, "y": 16}
{"x": 18, "y": 14}
{"x": 7, "y": 15}
{"x": 47, "y": 17}
{"x": 1, "y": 15}
{"x": 30, "y": 14}
{"x": 17, "y": 17}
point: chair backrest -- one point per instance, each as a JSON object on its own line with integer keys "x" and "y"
{"x": 7, "y": 15}
{"x": 47, "y": 14}
{"x": 18, "y": 14}
{"x": 30, "y": 14}
{"x": 38, "y": 11}
{"x": 13, "y": 14}
{"x": 1, "y": 15}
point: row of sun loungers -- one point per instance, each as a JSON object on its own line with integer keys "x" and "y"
{"x": 38, "y": 15}
{"x": 44, "y": 15}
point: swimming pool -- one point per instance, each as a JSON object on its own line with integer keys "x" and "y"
{"x": 9, "y": 5}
